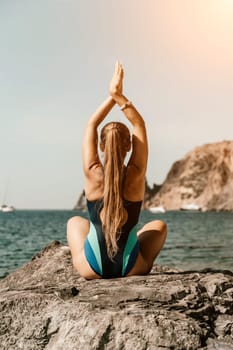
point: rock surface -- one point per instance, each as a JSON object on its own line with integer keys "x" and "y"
{"x": 204, "y": 177}
{"x": 46, "y": 305}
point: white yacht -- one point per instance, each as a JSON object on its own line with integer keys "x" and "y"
{"x": 156, "y": 210}
{"x": 190, "y": 206}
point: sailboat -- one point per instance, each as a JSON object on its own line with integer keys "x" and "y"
{"x": 7, "y": 208}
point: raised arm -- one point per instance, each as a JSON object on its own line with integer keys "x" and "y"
{"x": 90, "y": 143}
{"x": 139, "y": 154}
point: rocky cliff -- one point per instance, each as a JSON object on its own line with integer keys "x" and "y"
{"x": 46, "y": 305}
{"x": 204, "y": 177}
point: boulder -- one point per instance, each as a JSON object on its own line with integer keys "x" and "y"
{"x": 45, "y": 304}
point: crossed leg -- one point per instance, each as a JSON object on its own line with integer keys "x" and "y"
{"x": 77, "y": 230}
{"x": 151, "y": 238}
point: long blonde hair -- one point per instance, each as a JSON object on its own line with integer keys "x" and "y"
{"x": 115, "y": 140}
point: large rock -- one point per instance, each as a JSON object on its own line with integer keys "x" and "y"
{"x": 46, "y": 305}
{"x": 203, "y": 177}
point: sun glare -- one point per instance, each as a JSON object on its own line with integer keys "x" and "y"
{"x": 227, "y": 3}
{"x": 224, "y": 4}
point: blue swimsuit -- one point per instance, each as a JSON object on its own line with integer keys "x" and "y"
{"x": 128, "y": 246}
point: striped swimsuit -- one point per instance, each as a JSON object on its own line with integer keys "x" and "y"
{"x": 95, "y": 248}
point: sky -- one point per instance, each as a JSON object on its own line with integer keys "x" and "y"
{"x": 56, "y": 61}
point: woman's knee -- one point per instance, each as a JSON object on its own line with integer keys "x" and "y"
{"x": 75, "y": 221}
{"x": 163, "y": 226}
{"x": 156, "y": 225}
{"x": 75, "y": 225}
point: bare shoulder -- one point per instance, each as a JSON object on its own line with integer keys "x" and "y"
{"x": 134, "y": 184}
{"x": 94, "y": 182}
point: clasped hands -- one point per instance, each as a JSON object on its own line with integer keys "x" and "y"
{"x": 116, "y": 83}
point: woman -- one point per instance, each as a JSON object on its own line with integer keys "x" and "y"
{"x": 108, "y": 246}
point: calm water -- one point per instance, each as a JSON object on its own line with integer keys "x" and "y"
{"x": 195, "y": 240}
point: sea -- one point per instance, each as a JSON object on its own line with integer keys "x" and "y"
{"x": 195, "y": 240}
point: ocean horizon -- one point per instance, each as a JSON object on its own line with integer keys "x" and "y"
{"x": 195, "y": 240}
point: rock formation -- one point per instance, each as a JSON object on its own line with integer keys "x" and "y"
{"x": 204, "y": 177}
{"x": 81, "y": 203}
{"x": 46, "y": 305}
{"x": 150, "y": 192}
